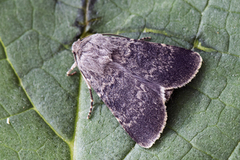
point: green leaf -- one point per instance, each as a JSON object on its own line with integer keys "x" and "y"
{"x": 43, "y": 112}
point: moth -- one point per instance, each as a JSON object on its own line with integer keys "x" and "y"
{"x": 134, "y": 78}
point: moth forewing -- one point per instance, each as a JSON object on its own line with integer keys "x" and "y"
{"x": 134, "y": 79}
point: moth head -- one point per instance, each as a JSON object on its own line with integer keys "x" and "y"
{"x": 76, "y": 47}
{"x": 92, "y": 46}
{"x": 92, "y": 53}
{"x": 74, "y": 55}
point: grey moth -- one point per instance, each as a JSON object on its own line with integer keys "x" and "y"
{"x": 134, "y": 78}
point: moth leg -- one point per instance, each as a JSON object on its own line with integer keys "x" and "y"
{"x": 145, "y": 38}
{"x": 72, "y": 67}
{"x": 91, "y": 97}
{"x": 91, "y": 106}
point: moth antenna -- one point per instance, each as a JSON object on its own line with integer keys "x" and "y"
{"x": 109, "y": 34}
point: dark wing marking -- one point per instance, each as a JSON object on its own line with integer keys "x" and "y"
{"x": 168, "y": 66}
{"x": 138, "y": 105}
